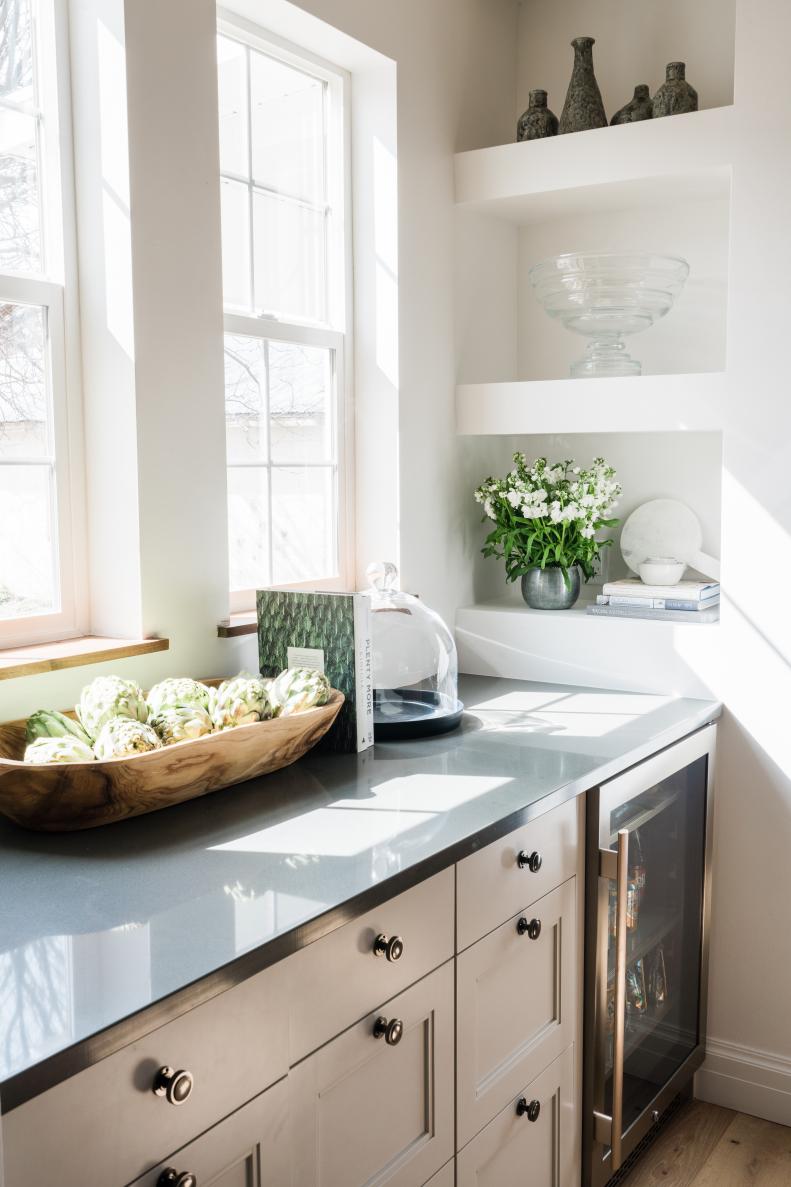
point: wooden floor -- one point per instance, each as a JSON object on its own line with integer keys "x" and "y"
{"x": 706, "y": 1146}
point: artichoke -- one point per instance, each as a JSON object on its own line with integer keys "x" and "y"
{"x": 240, "y": 701}
{"x": 122, "y": 736}
{"x": 181, "y": 723}
{"x": 61, "y": 749}
{"x": 298, "y": 689}
{"x": 176, "y": 693}
{"x": 48, "y": 723}
{"x": 107, "y": 697}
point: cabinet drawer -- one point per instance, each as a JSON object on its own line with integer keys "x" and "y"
{"x": 515, "y": 1006}
{"x": 513, "y": 1149}
{"x": 248, "y": 1149}
{"x": 104, "y": 1127}
{"x": 339, "y": 979}
{"x": 362, "y": 1111}
{"x": 491, "y": 884}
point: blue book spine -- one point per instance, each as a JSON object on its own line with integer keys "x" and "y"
{"x": 657, "y": 603}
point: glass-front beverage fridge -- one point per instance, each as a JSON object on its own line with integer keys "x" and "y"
{"x": 649, "y": 840}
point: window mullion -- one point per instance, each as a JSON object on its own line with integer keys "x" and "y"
{"x": 303, "y": 333}
{"x": 268, "y": 422}
{"x": 49, "y": 462}
{"x": 250, "y": 204}
{"x": 285, "y": 196}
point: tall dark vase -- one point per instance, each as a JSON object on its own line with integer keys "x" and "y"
{"x": 583, "y": 108}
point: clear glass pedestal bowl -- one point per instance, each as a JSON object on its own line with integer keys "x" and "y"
{"x": 605, "y": 297}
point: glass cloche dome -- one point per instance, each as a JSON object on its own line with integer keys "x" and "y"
{"x": 415, "y": 667}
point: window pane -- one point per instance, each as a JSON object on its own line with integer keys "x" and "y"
{"x": 303, "y": 524}
{"x": 20, "y": 231}
{"x": 23, "y": 382}
{"x": 248, "y": 527}
{"x": 290, "y": 255}
{"x": 235, "y": 244}
{"x": 288, "y": 129}
{"x": 232, "y": 83}
{"x": 245, "y": 399}
{"x": 16, "y": 52}
{"x": 301, "y": 403}
{"x": 27, "y": 571}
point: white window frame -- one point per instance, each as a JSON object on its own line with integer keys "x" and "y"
{"x": 54, "y": 290}
{"x": 336, "y": 333}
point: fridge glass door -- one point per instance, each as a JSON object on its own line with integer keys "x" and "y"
{"x": 664, "y": 924}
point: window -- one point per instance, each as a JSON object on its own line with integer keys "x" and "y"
{"x": 283, "y": 163}
{"x": 37, "y": 593}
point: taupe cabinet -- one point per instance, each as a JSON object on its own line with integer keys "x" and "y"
{"x": 432, "y": 1040}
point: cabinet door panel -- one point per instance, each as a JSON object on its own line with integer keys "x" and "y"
{"x": 364, "y": 1112}
{"x": 249, "y": 1149}
{"x": 516, "y": 1007}
{"x": 337, "y": 980}
{"x": 521, "y": 1153}
{"x": 491, "y": 885}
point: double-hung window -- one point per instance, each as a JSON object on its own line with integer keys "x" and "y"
{"x": 37, "y": 571}
{"x": 284, "y": 170}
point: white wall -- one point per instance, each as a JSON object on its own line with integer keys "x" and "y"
{"x": 751, "y": 953}
{"x": 747, "y": 660}
{"x": 455, "y": 71}
{"x": 455, "y": 63}
{"x": 634, "y": 42}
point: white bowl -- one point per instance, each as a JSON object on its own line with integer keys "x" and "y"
{"x": 661, "y": 570}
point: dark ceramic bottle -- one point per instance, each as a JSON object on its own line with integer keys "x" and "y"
{"x": 641, "y": 107}
{"x": 583, "y": 108}
{"x": 675, "y": 96}
{"x": 538, "y": 121}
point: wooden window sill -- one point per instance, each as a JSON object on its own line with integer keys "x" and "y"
{"x": 72, "y": 653}
{"x": 238, "y": 624}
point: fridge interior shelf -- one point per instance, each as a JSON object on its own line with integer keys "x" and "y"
{"x": 652, "y": 929}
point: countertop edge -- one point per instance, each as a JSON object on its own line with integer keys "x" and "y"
{"x": 62, "y": 1065}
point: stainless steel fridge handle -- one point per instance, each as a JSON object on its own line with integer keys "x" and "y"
{"x": 621, "y": 894}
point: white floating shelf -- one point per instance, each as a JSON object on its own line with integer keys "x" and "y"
{"x": 506, "y": 638}
{"x": 682, "y": 157}
{"x": 641, "y": 404}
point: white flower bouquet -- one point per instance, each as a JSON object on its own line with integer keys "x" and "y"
{"x": 549, "y": 515}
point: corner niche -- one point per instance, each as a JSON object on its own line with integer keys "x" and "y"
{"x": 660, "y": 186}
{"x": 499, "y": 635}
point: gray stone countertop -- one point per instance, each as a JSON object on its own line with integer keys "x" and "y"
{"x": 100, "y": 925}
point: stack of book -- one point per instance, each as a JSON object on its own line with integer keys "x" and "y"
{"x": 689, "y": 601}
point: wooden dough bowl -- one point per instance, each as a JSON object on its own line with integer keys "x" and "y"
{"x": 64, "y": 797}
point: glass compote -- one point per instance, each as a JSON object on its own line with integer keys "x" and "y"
{"x": 606, "y": 296}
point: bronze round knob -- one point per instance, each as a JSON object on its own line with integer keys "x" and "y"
{"x": 172, "y": 1178}
{"x": 532, "y": 861}
{"x": 392, "y": 948}
{"x": 393, "y": 1030}
{"x": 175, "y": 1086}
{"x": 529, "y": 927}
{"x": 530, "y": 1109}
